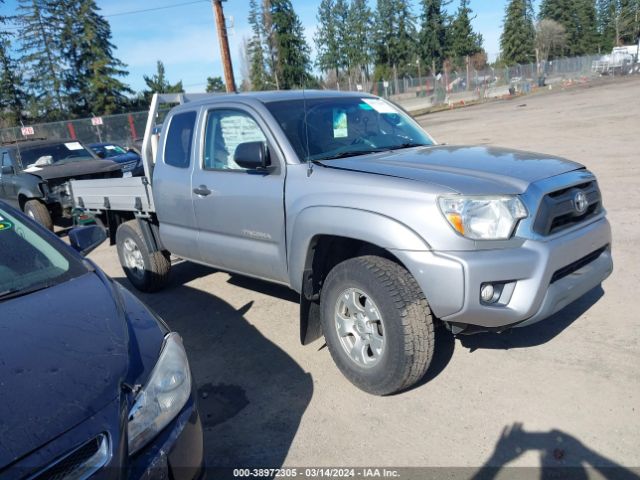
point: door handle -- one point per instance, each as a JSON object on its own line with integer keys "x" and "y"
{"x": 202, "y": 191}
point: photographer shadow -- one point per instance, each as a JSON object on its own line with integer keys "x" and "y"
{"x": 561, "y": 456}
{"x": 251, "y": 393}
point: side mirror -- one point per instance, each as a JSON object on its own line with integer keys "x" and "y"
{"x": 85, "y": 239}
{"x": 100, "y": 154}
{"x": 7, "y": 170}
{"x": 252, "y": 155}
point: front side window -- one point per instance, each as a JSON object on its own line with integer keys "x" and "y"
{"x": 6, "y": 161}
{"x": 29, "y": 261}
{"x": 339, "y": 127}
{"x": 177, "y": 150}
{"x": 226, "y": 129}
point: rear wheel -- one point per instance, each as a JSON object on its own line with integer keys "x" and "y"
{"x": 377, "y": 324}
{"x": 39, "y": 212}
{"x": 147, "y": 271}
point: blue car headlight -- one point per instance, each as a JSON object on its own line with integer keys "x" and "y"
{"x": 163, "y": 396}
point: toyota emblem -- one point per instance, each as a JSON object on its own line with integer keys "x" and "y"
{"x": 580, "y": 202}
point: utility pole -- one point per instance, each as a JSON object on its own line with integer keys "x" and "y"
{"x": 224, "y": 46}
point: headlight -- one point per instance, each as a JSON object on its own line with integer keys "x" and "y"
{"x": 163, "y": 396}
{"x": 483, "y": 218}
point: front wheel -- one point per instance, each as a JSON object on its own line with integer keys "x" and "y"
{"x": 39, "y": 212}
{"x": 377, "y": 324}
{"x": 147, "y": 271}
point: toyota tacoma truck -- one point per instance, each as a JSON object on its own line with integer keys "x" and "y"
{"x": 35, "y": 176}
{"x": 344, "y": 198}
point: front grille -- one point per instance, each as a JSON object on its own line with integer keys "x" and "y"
{"x": 129, "y": 165}
{"x": 558, "y": 211}
{"x": 80, "y": 463}
{"x": 577, "y": 265}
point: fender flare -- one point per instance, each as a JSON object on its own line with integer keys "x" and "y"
{"x": 365, "y": 225}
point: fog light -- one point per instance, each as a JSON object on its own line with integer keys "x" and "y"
{"x": 487, "y": 293}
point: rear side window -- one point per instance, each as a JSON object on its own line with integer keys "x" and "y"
{"x": 177, "y": 150}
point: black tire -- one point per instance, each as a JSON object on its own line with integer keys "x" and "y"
{"x": 39, "y": 212}
{"x": 408, "y": 326}
{"x": 153, "y": 271}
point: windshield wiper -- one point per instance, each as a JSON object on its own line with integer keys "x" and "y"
{"x": 19, "y": 292}
{"x": 408, "y": 145}
{"x": 352, "y": 153}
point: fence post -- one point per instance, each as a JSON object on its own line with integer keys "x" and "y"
{"x": 72, "y": 131}
{"x": 132, "y": 128}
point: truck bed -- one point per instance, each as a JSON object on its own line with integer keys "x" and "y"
{"x": 131, "y": 194}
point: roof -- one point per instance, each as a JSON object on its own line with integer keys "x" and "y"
{"x": 27, "y": 144}
{"x": 271, "y": 96}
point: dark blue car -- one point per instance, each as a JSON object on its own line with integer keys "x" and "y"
{"x": 92, "y": 382}
{"x": 131, "y": 162}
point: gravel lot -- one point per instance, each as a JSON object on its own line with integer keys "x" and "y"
{"x": 563, "y": 392}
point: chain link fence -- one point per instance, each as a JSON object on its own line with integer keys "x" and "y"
{"x": 124, "y": 129}
{"x": 415, "y": 92}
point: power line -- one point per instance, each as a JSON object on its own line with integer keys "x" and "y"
{"x": 165, "y": 7}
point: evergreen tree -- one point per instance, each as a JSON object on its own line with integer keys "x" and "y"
{"x": 40, "y": 55}
{"x": 292, "y": 65}
{"x": 359, "y": 27}
{"x": 12, "y": 98}
{"x": 579, "y": 19}
{"x": 159, "y": 84}
{"x": 433, "y": 34}
{"x": 258, "y": 76}
{"x": 606, "y": 24}
{"x": 518, "y": 36}
{"x": 91, "y": 77}
{"x": 464, "y": 42}
{"x": 395, "y": 34}
{"x": 215, "y": 85}
{"x": 328, "y": 56}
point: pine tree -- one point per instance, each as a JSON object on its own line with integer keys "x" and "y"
{"x": 606, "y": 24}
{"x": 258, "y": 76}
{"x": 12, "y": 98}
{"x": 518, "y": 36}
{"x": 215, "y": 85}
{"x": 91, "y": 77}
{"x": 292, "y": 65}
{"x": 158, "y": 83}
{"x": 587, "y": 19}
{"x": 40, "y": 55}
{"x": 395, "y": 34}
{"x": 464, "y": 42}
{"x": 359, "y": 28}
{"x": 433, "y": 34}
{"x": 328, "y": 56}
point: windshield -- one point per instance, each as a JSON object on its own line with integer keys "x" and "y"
{"x": 108, "y": 151}
{"x": 54, "y": 153}
{"x": 29, "y": 262}
{"x": 346, "y": 126}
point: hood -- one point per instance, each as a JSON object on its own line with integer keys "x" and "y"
{"x": 125, "y": 157}
{"x": 74, "y": 169}
{"x": 470, "y": 170}
{"x": 63, "y": 355}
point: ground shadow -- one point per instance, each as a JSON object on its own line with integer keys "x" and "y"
{"x": 561, "y": 456}
{"x": 535, "y": 334}
{"x": 251, "y": 394}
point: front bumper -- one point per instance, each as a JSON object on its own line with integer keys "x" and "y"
{"x": 452, "y": 281}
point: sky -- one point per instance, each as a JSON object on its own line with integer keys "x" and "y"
{"x": 183, "y": 34}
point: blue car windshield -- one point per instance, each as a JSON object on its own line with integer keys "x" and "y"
{"x": 30, "y": 261}
{"x": 340, "y": 127}
{"x": 108, "y": 151}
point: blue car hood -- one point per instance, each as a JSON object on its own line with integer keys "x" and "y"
{"x": 125, "y": 157}
{"x": 63, "y": 356}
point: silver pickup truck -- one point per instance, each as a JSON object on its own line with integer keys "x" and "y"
{"x": 345, "y": 199}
